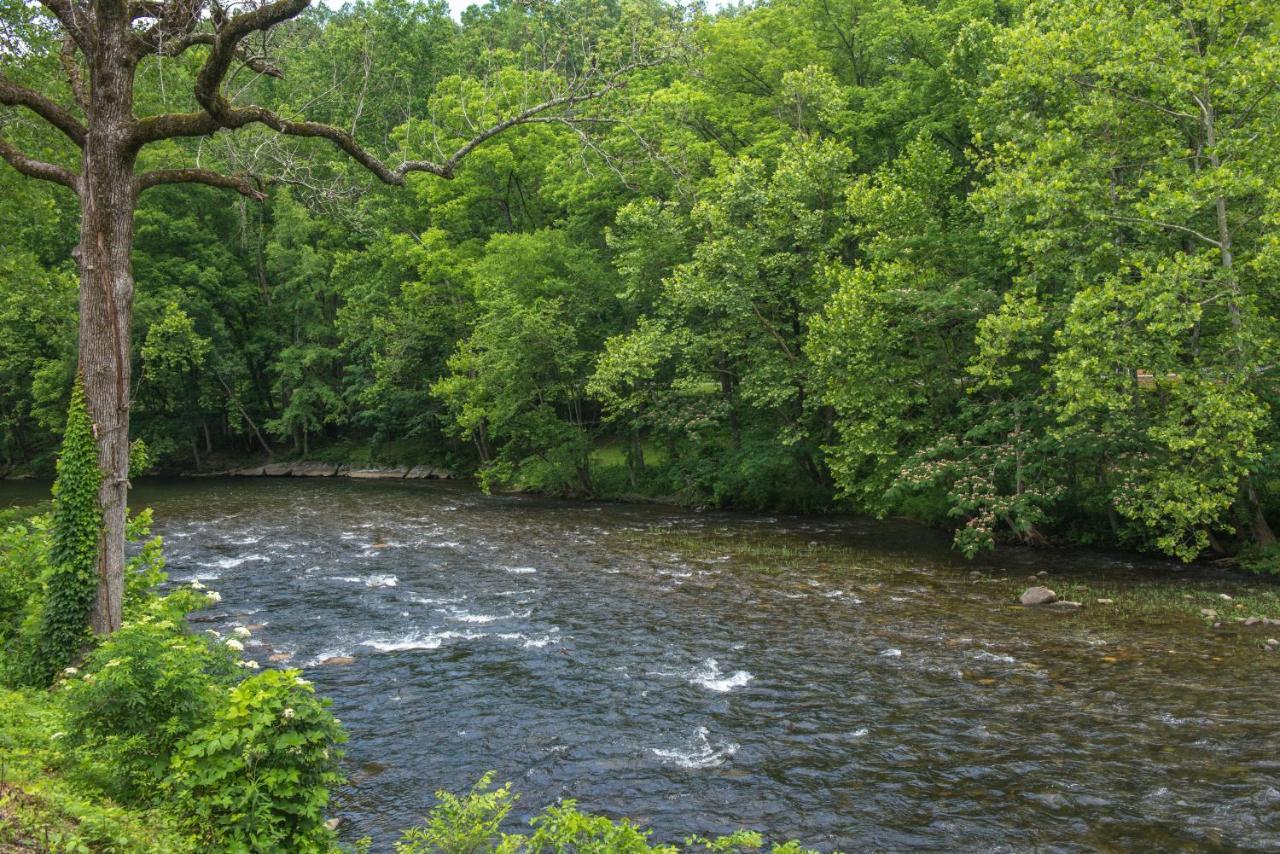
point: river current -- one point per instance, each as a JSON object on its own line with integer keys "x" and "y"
{"x": 850, "y": 685}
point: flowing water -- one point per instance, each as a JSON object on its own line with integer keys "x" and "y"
{"x": 845, "y": 682}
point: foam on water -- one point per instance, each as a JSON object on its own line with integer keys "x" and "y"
{"x": 425, "y": 600}
{"x": 698, "y": 754}
{"x": 520, "y": 570}
{"x": 708, "y": 675}
{"x": 233, "y": 562}
{"x": 369, "y": 580}
{"x": 430, "y": 640}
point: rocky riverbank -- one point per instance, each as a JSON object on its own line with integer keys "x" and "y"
{"x": 318, "y": 469}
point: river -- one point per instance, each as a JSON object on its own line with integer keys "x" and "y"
{"x": 850, "y": 683}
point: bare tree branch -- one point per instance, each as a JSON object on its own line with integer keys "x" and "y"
{"x": 242, "y": 185}
{"x": 13, "y": 95}
{"x": 33, "y": 168}
{"x": 1171, "y": 226}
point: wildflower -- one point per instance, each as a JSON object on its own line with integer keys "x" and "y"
{"x": 57, "y": 735}
{"x": 251, "y": 664}
{"x": 300, "y": 682}
{"x": 196, "y": 585}
{"x": 115, "y": 662}
{"x": 241, "y": 632}
{"x": 214, "y": 597}
{"x": 288, "y": 714}
{"x": 214, "y": 633}
{"x": 232, "y": 643}
{"x": 70, "y": 671}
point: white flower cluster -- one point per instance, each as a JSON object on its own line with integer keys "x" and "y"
{"x": 232, "y": 643}
{"x": 241, "y": 632}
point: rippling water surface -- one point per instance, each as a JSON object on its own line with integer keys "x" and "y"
{"x": 654, "y": 664}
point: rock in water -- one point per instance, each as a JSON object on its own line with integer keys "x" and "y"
{"x": 1038, "y": 596}
{"x": 338, "y": 660}
{"x": 314, "y": 470}
{"x": 376, "y": 473}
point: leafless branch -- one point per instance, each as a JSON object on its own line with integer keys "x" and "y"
{"x": 1171, "y": 226}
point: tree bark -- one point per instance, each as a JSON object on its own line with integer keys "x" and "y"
{"x": 108, "y": 197}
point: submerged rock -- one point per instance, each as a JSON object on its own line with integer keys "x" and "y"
{"x": 1067, "y": 605}
{"x": 338, "y": 660}
{"x": 1038, "y": 596}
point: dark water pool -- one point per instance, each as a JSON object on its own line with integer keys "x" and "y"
{"x": 703, "y": 672}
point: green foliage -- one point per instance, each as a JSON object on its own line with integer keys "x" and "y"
{"x": 471, "y": 824}
{"x": 141, "y": 692}
{"x": 258, "y": 776}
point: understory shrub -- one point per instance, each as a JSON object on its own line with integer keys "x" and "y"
{"x": 142, "y": 691}
{"x": 471, "y": 824}
{"x": 257, "y": 778}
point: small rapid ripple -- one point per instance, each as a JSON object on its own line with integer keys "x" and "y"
{"x": 872, "y": 699}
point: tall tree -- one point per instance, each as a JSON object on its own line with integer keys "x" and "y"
{"x": 102, "y": 46}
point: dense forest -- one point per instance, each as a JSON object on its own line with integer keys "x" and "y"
{"x": 1008, "y": 267}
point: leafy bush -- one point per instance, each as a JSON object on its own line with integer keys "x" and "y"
{"x": 24, "y": 559}
{"x": 144, "y": 690}
{"x": 258, "y": 776}
{"x": 471, "y": 824}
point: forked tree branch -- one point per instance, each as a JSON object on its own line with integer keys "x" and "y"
{"x": 33, "y": 168}
{"x": 220, "y": 113}
{"x": 243, "y": 185}
{"x": 69, "y": 17}
{"x": 14, "y": 95}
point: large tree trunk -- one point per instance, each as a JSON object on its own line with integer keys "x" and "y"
{"x": 107, "y": 199}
